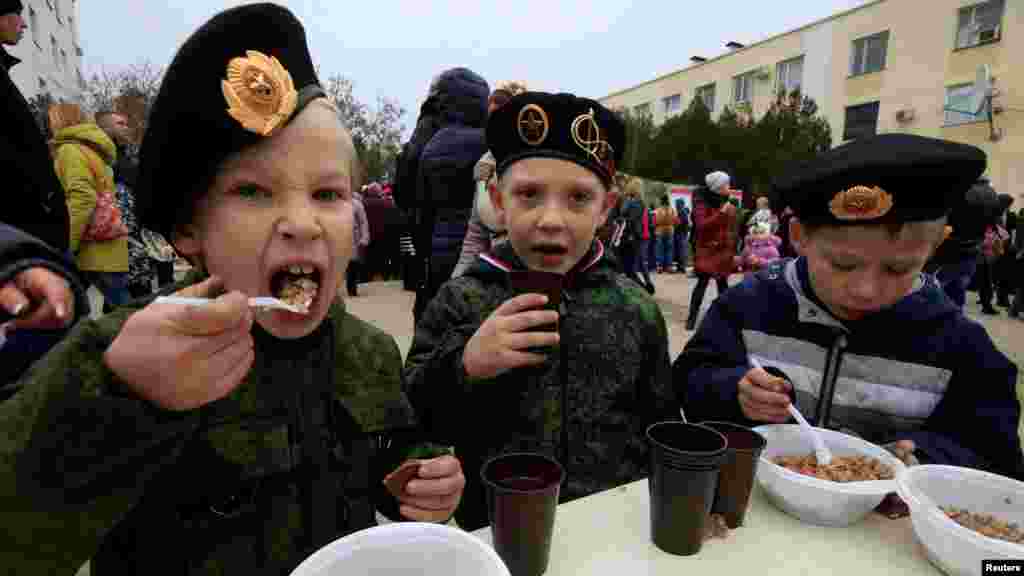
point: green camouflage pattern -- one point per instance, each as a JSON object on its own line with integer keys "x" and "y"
{"x": 619, "y": 376}
{"x": 87, "y": 470}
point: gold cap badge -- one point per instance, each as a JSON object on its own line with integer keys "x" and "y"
{"x": 533, "y": 125}
{"x": 861, "y": 203}
{"x": 259, "y": 92}
{"x": 587, "y": 135}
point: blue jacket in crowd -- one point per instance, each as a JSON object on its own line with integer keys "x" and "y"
{"x": 919, "y": 370}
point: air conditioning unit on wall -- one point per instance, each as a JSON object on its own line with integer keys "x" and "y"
{"x": 905, "y": 115}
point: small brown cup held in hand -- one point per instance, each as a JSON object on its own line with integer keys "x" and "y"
{"x": 736, "y": 477}
{"x": 539, "y": 282}
{"x": 522, "y": 496}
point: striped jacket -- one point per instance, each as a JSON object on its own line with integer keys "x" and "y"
{"x": 919, "y": 370}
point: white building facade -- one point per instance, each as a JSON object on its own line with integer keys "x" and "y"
{"x": 50, "y": 51}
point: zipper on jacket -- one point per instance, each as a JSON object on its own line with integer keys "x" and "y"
{"x": 563, "y": 373}
{"x": 829, "y": 377}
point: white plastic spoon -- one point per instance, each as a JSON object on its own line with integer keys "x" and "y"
{"x": 261, "y": 303}
{"x": 821, "y": 452}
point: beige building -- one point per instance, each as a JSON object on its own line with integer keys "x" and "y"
{"x": 50, "y": 51}
{"x": 887, "y": 66}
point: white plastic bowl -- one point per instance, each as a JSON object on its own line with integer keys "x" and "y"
{"x": 405, "y": 549}
{"x": 813, "y": 500}
{"x": 956, "y": 550}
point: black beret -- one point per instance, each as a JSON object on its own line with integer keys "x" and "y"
{"x": 537, "y": 124}
{"x": 238, "y": 78}
{"x": 889, "y": 177}
{"x": 11, "y": 7}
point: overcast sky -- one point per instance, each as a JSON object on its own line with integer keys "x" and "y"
{"x": 393, "y": 48}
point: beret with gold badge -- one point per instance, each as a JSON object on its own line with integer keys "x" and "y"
{"x": 538, "y": 124}
{"x": 237, "y": 80}
{"x": 886, "y": 178}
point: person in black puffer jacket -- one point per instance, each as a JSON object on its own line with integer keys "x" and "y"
{"x": 448, "y": 140}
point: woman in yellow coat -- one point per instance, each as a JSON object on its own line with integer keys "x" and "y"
{"x": 83, "y": 158}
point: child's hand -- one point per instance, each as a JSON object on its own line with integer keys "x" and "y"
{"x": 183, "y": 357}
{"x": 497, "y": 346}
{"x": 47, "y": 291}
{"x": 763, "y": 397}
{"x": 434, "y": 493}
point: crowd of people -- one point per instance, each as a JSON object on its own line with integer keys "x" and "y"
{"x": 535, "y": 325}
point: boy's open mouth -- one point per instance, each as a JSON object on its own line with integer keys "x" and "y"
{"x": 550, "y": 249}
{"x": 296, "y": 284}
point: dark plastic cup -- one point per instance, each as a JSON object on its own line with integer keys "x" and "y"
{"x": 539, "y": 282}
{"x": 736, "y": 478}
{"x": 685, "y": 460}
{"x": 522, "y": 495}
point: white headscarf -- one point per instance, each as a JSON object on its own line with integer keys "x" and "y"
{"x": 716, "y": 181}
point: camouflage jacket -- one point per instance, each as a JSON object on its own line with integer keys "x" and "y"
{"x": 615, "y": 347}
{"x": 250, "y": 484}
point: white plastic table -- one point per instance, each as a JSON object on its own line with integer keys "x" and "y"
{"x": 609, "y": 534}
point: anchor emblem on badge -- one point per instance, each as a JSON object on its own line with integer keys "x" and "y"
{"x": 587, "y": 135}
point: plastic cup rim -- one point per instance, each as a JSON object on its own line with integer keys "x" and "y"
{"x": 688, "y": 454}
{"x": 754, "y": 451}
{"x": 492, "y": 485}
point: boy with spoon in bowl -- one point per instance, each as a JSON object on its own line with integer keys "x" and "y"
{"x": 868, "y": 343}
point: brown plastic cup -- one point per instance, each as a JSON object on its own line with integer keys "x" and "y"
{"x": 539, "y": 282}
{"x": 736, "y": 478}
{"x": 522, "y": 496}
{"x": 685, "y": 459}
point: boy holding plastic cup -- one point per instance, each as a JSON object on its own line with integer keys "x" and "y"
{"x": 473, "y": 374}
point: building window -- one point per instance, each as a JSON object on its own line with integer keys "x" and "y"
{"x": 33, "y": 23}
{"x": 958, "y": 105}
{"x": 789, "y": 75}
{"x": 74, "y": 31}
{"x": 64, "y": 58}
{"x": 869, "y": 54}
{"x": 642, "y": 109}
{"x": 56, "y": 52}
{"x": 861, "y": 121}
{"x": 42, "y": 84}
{"x": 979, "y": 24}
{"x": 743, "y": 88}
{"x": 56, "y": 8}
{"x": 707, "y": 96}
{"x": 50, "y": 4}
{"x": 672, "y": 104}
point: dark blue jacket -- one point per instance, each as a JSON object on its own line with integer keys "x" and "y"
{"x": 919, "y": 370}
{"x": 445, "y": 185}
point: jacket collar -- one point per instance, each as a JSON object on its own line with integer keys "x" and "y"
{"x": 504, "y": 259}
{"x": 812, "y": 311}
{"x": 6, "y": 60}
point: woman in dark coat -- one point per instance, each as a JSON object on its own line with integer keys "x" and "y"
{"x": 714, "y": 219}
